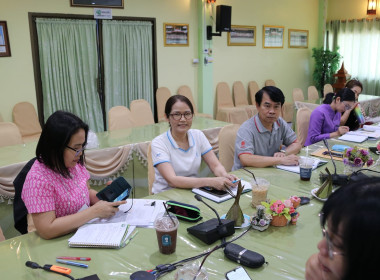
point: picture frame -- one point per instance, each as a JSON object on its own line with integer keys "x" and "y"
{"x": 118, "y": 4}
{"x": 298, "y": 38}
{"x": 273, "y": 36}
{"x": 176, "y": 35}
{"x": 242, "y": 35}
{"x": 5, "y": 49}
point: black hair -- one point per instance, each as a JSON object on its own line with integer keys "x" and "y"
{"x": 354, "y": 209}
{"x": 173, "y": 99}
{"x": 354, "y": 83}
{"x": 275, "y": 94}
{"x": 55, "y": 136}
{"x": 345, "y": 94}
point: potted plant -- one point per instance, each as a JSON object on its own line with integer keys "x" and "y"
{"x": 326, "y": 65}
{"x": 260, "y": 219}
{"x": 355, "y": 158}
{"x": 280, "y": 211}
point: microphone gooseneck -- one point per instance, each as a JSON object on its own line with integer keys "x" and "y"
{"x": 328, "y": 149}
{"x": 199, "y": 198}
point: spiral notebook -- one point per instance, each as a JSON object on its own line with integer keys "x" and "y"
{"x": 111, "y": 235}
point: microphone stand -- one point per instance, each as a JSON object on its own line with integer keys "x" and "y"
{"x": 337, "y": 179}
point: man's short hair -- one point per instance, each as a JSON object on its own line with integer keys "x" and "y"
{"x": 275, "y": 94}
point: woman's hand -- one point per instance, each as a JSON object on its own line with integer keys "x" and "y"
{"x": 105, "y": 209}
{"x": 220, "y": 183}
{"x": 343, "y": 130}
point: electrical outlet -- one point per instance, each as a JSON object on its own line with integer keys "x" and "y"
{"x": 205, "y": 51}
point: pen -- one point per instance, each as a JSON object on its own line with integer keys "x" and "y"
{"x": 130, "y": 238}
{"x": 72, "y": 263}
{"x": 74, "y": 258}
{"x": 235, "y": 181}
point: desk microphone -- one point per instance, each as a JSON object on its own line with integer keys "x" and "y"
{"x": 337, "y": 179}
{"x": 214, "y": 229}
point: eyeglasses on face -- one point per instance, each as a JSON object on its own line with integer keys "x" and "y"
{"x": 77, "y": 152}
{"x": 178, "y": 116}
{"x": 347, "y": 106}
{"x": 330, "y": 245}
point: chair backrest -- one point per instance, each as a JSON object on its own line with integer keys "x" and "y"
{"x": 227, "y": 137}
{"x": 141, "y": 112}
{"x": 186, "y": 91}
{"x": 162, "y": 95}
{"x": 240, "y": 95}
{"x": 327, "y": 89}
{"x": 253, "y": 88}
{"x": 270, "y": 83}
{"x": 303, "y": 119}
{"x": 312, "y": 93}
{"x": 223, "y": 96}
{"x": 298, "y": 95}
{"x": 10, "y": 134}
{"x": 151, "y": 172}
{"x": 119, "y": 117}
{"x": 19, "y": 210}
{"x": 25, "y": 117}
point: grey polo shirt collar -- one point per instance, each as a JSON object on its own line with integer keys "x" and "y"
{"x": 260, "y": 127}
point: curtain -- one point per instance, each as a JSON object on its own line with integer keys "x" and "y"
{"x": 68, "y": 61}
{"x": 128, "y": 62}
{"x": 359, "y": 45}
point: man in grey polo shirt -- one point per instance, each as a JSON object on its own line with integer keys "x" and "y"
{"x": 266, "y": 139}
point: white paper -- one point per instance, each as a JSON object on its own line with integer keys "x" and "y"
{"x": 353, "y": 138}
{"x": 366, "y": 132}
{"x": 296, "y": 169}
{"x": 247, "y": 187}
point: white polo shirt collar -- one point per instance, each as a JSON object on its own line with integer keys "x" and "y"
{"x": 174, "y": 143}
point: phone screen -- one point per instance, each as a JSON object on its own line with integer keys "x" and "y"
{"x": 238, "y": 273}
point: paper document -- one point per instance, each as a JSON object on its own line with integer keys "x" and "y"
{"x": 296, "y": 169}
{"x": 366, "y": 132}
{"x": 353, "y": 138}
{"x": 220, "y": 196}
{"x": 142, "y": 213}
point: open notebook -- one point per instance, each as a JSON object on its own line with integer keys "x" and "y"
{"x": 296, "y": 169}
{"x": 220, "y": 196}
{"x": 112, "y": 235}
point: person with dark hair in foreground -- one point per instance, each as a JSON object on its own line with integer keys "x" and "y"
{"x": 56, "y": 186}
{"x": 177, "y": 153}
{"x": 266, "y": 139}
{"x": 350, "y": 222}
{"x": 348, "y": 117}
{"x": 325, "y": 119}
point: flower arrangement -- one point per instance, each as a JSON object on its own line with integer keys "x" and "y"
{"x": 260, "y": 219}
{"x": 356, "y": 157}
{"x": 281, "y": 209}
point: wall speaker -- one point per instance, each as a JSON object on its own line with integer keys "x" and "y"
{"x": 98, "y": 3}
{"x": 223, "y": 18}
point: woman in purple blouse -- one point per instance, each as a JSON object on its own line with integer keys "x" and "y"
{"x": 325, "y": 119}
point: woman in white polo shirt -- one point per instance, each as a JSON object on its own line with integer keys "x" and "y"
{"x": 177, "y": 153}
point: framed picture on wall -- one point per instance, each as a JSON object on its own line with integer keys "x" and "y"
{"x": 5, "y": 49}
{"x": 298, "y": 38}
{"x": 242, "y": 35}
{"x": 98, "y": 3}
{"x": 176, "y": 34}
{"x": 273, "y": 36}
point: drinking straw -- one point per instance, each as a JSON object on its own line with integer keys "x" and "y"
{"x": 168, "y": 213}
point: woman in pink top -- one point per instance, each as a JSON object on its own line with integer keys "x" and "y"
{"x": 57, "y": 187}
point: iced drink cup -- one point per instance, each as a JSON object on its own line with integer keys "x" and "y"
{"x": 259, "y": 191}
{"x": 306, "y": 166}
{"x": 166, "y": 232}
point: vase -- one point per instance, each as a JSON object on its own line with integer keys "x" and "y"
{"x": 349, "y": 169}
{"x": 279, "y": 221}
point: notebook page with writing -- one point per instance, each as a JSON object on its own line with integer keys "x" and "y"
{"x": 100, "y": 235}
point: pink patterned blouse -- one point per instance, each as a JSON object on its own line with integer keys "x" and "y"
{"x": 45, "y": 190}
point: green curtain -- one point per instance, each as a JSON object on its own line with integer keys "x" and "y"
{"x": 359, "y": 45}
{"x": 68, "y": 61}
{"x": 128, "y": 62}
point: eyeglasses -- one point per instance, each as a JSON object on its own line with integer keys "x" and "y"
{"x": 77, "y": 152}
{"x": 346, "y": 106}
{"x": 178, "y": 116}
{"x": 330, "y": 245}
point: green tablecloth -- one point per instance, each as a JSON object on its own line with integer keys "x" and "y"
{"x": 286, "y": 249}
